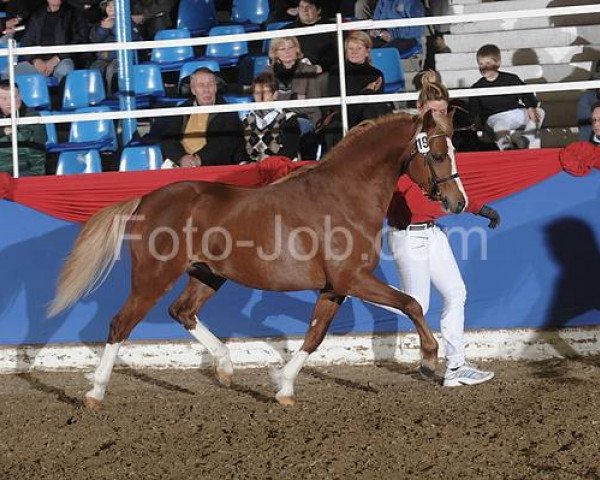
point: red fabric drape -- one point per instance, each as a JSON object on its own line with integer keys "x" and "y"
{"x": 487, "y": 176}
{"x": 78, "y": 197}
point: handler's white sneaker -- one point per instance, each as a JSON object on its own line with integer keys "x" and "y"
{"x": 466, "y": 374}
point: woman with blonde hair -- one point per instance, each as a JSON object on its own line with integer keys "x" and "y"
{"x": 362, "y": 78}
{"x": 423, "y": 255}
{"x": 296, "y": 77}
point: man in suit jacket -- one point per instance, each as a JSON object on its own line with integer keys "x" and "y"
{"x": 201, "y": 138}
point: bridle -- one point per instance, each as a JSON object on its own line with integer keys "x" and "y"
{"x": 422, "y": 142}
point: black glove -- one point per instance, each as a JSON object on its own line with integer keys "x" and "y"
{"x": 491, "y": 214}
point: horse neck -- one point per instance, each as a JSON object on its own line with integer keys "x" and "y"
{"x": 377, "y": 160}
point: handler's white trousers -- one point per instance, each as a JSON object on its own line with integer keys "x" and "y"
{"x": 423, "y": 257}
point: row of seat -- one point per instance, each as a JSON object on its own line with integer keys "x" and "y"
{"x": 146, "y": 157}
{"x": 86, "y": 87}
{"x": 199, "y": 16}
{"x": 388, "y": 60}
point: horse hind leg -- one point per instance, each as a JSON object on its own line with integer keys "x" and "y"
{"x": 122, "y": 324}
{"x": 325, "y": 309}
{"x": 147, "y": 287}
{"x": 202, "y": 285}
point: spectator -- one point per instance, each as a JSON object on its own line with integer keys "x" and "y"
{"x": 17, "y": 13}
{"x": 90, "y": 11}
{"x": 362, "y": 78}
{"x": 51, "y": 25}
{"x": 152, "y": 16}
{"x": 503, "y": 113}
{"x": 584, "y": 105}
{"x": 404, "y": 39}
{"x": 296, "y": 78}
{"x": 435, "y": 38}
{"x": 363, "y": 9}
{"x": 201, "y": 138}
{"x": 320, "y": 48}
{"x": 282, "y": 10}
{"x": 31, "y": 139}
{"x": 104, "y": 32}
{"x": 270, "y": 132}
{"x": 595, "y": 111}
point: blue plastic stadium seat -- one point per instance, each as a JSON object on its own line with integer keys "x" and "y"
{"x": 259, "y": 64}
{"x": 83, "y": 88}
{"x": 226, "y": 54}
{"x": 89, "y": 134}
{"x": 34, "y": 90}
{"x": 250, "y": 13}
{"x": 198, "y": 16}
{"x": 389, "y": 62}
{"x": 412, "y": 52}
{"x": 171, "y": 59}
{"x": 146, "y": 157}
{"x": 239, "y": 99}
{"x": 79, "y": 161}
{"x": 148, "y": 88}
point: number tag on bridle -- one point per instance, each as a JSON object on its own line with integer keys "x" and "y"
{"x": 422, "y": 143}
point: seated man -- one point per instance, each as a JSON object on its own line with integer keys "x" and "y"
{"x": 31, "y": 139}
{"x": 201, "y": 138}
{"x": 50, "y": 25}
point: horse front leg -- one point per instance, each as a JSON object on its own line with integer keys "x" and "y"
{"x": 367, "y": 287}
{"x": 202, "y": 285}
{"x": 325, "y": 309}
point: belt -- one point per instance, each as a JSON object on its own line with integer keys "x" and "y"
{"x": 419, "y": 226}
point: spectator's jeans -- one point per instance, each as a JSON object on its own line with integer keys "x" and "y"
{"x": 502, "y": 123}
{"x": 64, "y": 67}
{"x": 423, "y": 257}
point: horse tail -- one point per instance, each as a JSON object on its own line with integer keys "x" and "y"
{"x": 96, "y": 250}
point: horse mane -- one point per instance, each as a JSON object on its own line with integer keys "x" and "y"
{"x": 443, "y": 124}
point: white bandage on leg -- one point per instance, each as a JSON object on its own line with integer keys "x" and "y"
{"x": 216, "y": 348}
{"x": 104, "y": 370}
{"x": 287, "y": 375}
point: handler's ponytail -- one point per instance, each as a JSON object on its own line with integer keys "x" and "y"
{"x": 431, "y": 88}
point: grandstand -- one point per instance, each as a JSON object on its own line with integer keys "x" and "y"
{"x": 541, "y": 49}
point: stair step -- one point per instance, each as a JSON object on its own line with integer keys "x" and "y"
{"x": 512, "y": 5}
{"x": 525, "y": 23}
{"x": 543, "y": 37}
{"x": 522, "y": 56}
{"x": 464, "y": 2}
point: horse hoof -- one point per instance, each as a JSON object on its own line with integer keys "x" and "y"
{"x": 286, "y": 401}
{"x": 92, "y": 404}
{"x": 224, "y": 378}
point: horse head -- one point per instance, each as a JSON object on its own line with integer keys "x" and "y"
{"x": 432, "y": 165}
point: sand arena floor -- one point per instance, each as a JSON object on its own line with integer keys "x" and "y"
{"x": 538, "y": 420}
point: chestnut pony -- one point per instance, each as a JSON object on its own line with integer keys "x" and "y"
{"x": 318, "y": 229}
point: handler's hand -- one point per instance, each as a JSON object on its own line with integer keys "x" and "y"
{"x": 491, "y": 214}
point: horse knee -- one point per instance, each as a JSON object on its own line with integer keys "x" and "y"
{"x": 413, "y": 309}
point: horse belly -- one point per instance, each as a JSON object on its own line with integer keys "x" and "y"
{"x": 265, "y": 265}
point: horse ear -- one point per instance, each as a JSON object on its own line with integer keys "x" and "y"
{"x": 428, "y": 121}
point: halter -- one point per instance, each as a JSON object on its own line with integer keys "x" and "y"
{"x": 422, "y": 147}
